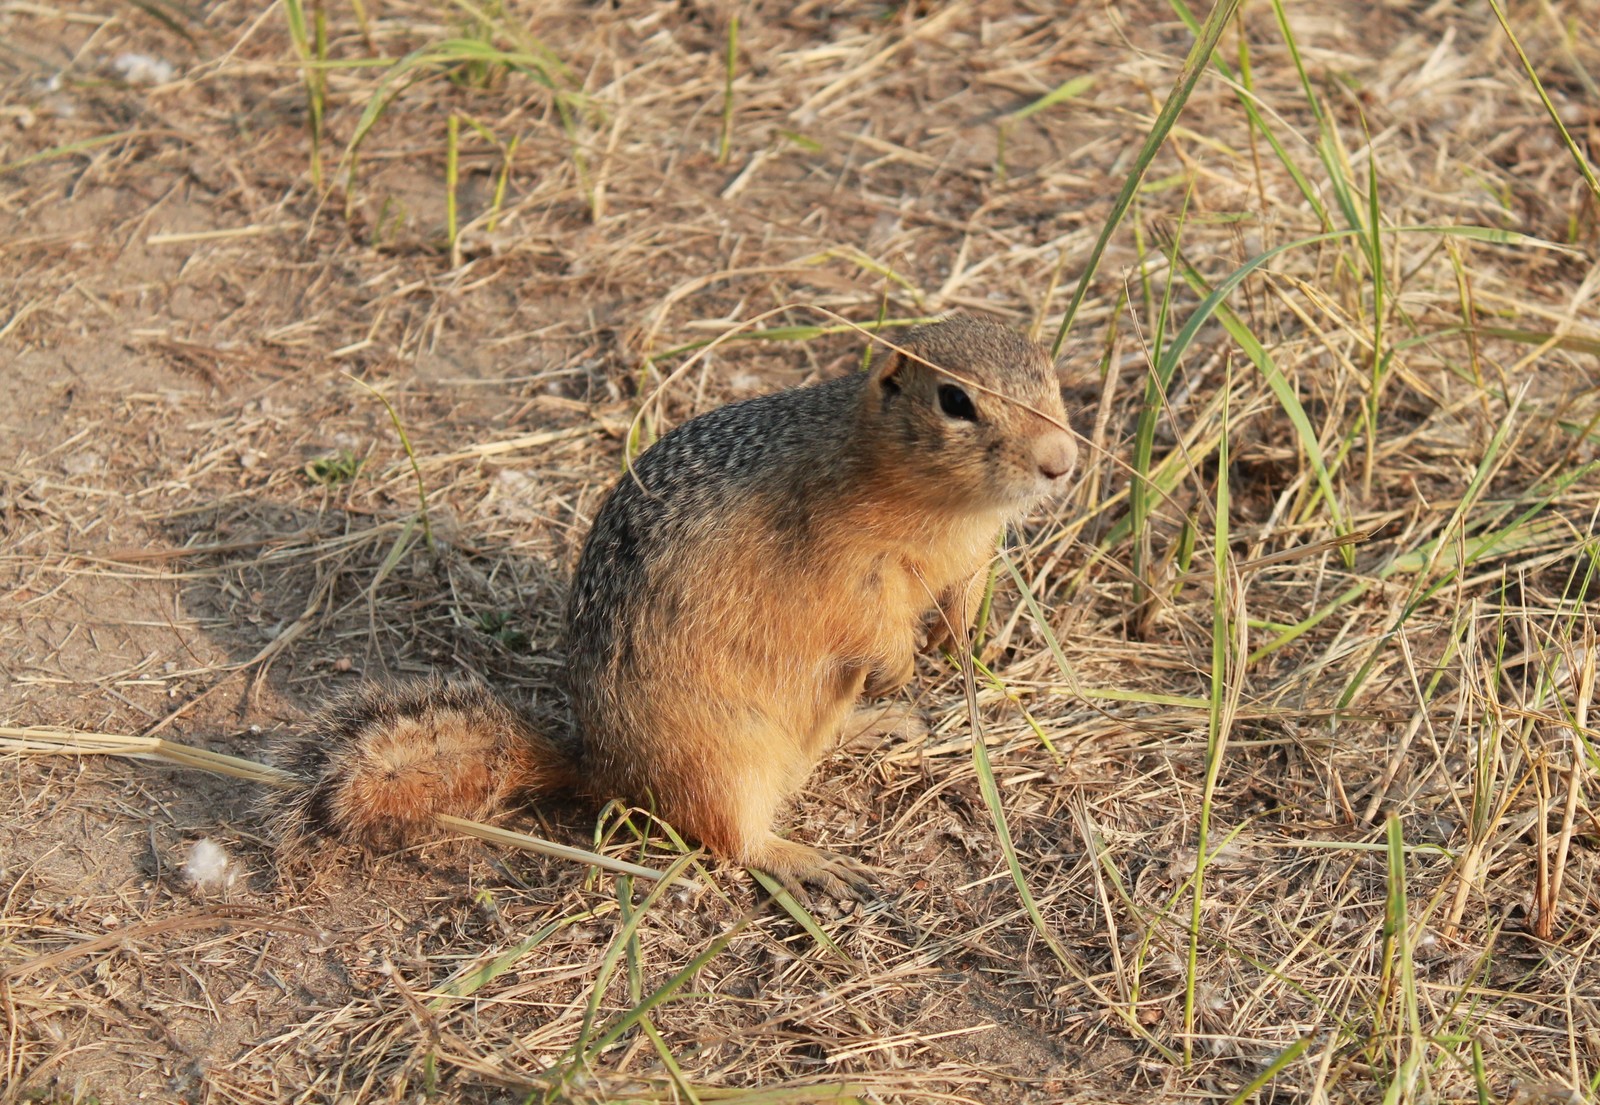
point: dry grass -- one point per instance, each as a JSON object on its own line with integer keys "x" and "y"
{"x": 1390, "y": 756}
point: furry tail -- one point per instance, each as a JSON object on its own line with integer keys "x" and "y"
{"x": 377, "y": 763}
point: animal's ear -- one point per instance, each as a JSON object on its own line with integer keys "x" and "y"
{"x": 889, "y": 374}
{"x": 1069, "y": 364}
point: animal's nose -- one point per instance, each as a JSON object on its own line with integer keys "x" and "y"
{"x": 1056, "y": 455}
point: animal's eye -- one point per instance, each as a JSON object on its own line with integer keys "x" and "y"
{"x": 956, "y": 403}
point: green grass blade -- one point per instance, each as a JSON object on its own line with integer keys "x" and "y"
{"x": 1374, "y": 244}
{"x": 997, "y": 814}
{"x": 443, "y": 56}
{"x": 1246, "y": 94}
{"x": 1218, "y": 722}
{"x": 470, "y": 980}
{"x": 1584, "y": 168}
{"x": 1284, "y": 392}
{"x": 1202, "y": 314}
{"x": 623, "y": 1023}
{"x": 1329, "y": 150}
{"x": 730, "y": 64}
{"x": 411, "y": 456}
{"x": 614, "y": 954}
{"x": 1069, "y": 89}
{"x": 1278, "y": 1065}
{"x": 311, "y": 44}
{"x": 67, "y": 149}
{"x": 1195, "y": 64}
{"x": 452, "y": 179}
{"x": 1144, "y": 438}
{"x": 802, "y": 916}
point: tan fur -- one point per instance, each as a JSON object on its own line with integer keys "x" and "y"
{"x": 767, "y": 565}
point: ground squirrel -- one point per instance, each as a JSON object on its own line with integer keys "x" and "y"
{"x": 763, "y": 567}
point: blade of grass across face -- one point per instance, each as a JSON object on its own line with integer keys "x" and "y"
{"x": 1193, "y": 65}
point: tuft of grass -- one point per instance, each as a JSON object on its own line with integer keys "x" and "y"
{"x": 501, "y": 625}
{"x": 476, "y": 62}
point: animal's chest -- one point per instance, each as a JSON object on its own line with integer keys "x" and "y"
{"x": 902, "y": 585}
{"x": 894, "y": 583}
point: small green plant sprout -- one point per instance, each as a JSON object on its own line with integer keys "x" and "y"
{"x": 335, "y": 468}
{"x": 1069, "y": 89}
{"x": 489, "y": 219}
{"x": 501, "y": 625}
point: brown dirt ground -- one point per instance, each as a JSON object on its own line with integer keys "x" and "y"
{"x": 181, "y": 314}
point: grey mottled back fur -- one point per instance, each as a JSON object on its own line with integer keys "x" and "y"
{"x": 707, "y": 472}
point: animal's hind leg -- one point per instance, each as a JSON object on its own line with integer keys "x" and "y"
{"x": 796, "y": 865}
{"x": 734, "y": 819}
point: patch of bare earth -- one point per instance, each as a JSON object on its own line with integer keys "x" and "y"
{"x": 183, "y": 313}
